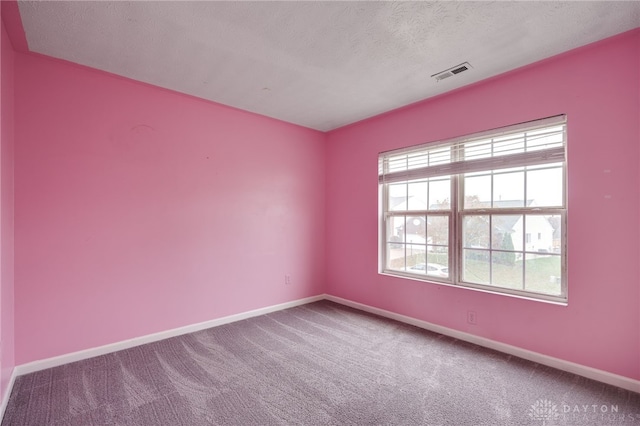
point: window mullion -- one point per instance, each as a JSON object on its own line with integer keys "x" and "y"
{"x": 455, "y": 227}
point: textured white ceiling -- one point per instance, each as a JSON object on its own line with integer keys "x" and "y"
{"x": 318, "y": 64}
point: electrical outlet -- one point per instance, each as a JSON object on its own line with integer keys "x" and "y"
{"x": 472, "y": 317}
{"x": 287, "y": 279}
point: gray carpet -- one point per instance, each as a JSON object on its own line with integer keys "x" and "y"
{"x": 318, "y": 364}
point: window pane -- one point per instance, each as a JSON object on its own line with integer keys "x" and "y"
{"x": 556, "y": 223}
{"x": 544, "y": 166}
{"x": 476, "y": 267}
{"x": 395, "y": 256}
{"x": 416, "y": 230}
{"x": 416, "y": 261}
{"x": 438, "y": 248}
{"x": 540, "y": 233}
{"x": 395, "y": 243}
{"x": 415, "y": 254}
{"x": 508, "y": 190}
{"x": 506, "y": 232}
{"x": 544, "y": 187}
{"x": 543, "y": 273}
{"x": 505, "y": 270}
{"x": 437, "y": 270}
{"x": 418, "y": 193}
{"x": 477, "y": 191}
{"x": 430, "y": 269}
{"x": 398, "y": 197}
{"x": 438, "y": 230}
{"x": 440, "y": 194}
{"x": 395, "y": 230}
{"x": 396, "y": 250}
{"x": 438, "y": 263}
{"x": 475, "y": 231}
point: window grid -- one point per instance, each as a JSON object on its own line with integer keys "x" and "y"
{"x": 495, "y": 257}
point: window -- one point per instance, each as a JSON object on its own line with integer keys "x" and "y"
{"x": 467, "y": 211}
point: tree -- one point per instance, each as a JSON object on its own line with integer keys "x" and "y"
{"x": 507, "y": 257}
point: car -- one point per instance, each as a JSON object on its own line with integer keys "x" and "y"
{"x": 434, "y": 269}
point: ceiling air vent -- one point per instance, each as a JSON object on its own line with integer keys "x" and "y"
{"x": 452, "y": 71}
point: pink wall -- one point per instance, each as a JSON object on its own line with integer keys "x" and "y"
{"x": 7, "y": 361}
{"x": 600, "y": 327}
{"x": 140, "y": 210}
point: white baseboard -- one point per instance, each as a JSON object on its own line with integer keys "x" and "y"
{"x": 7, "y": 394}
{"x": 126, "y": 344}
{"x": 571, "y": 367}
{"x": 560, "y": 364}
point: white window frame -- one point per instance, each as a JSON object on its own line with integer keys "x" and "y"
{"x": 427, "y": 161}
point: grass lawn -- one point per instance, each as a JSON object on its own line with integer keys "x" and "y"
{"x": 541, "y": 272}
